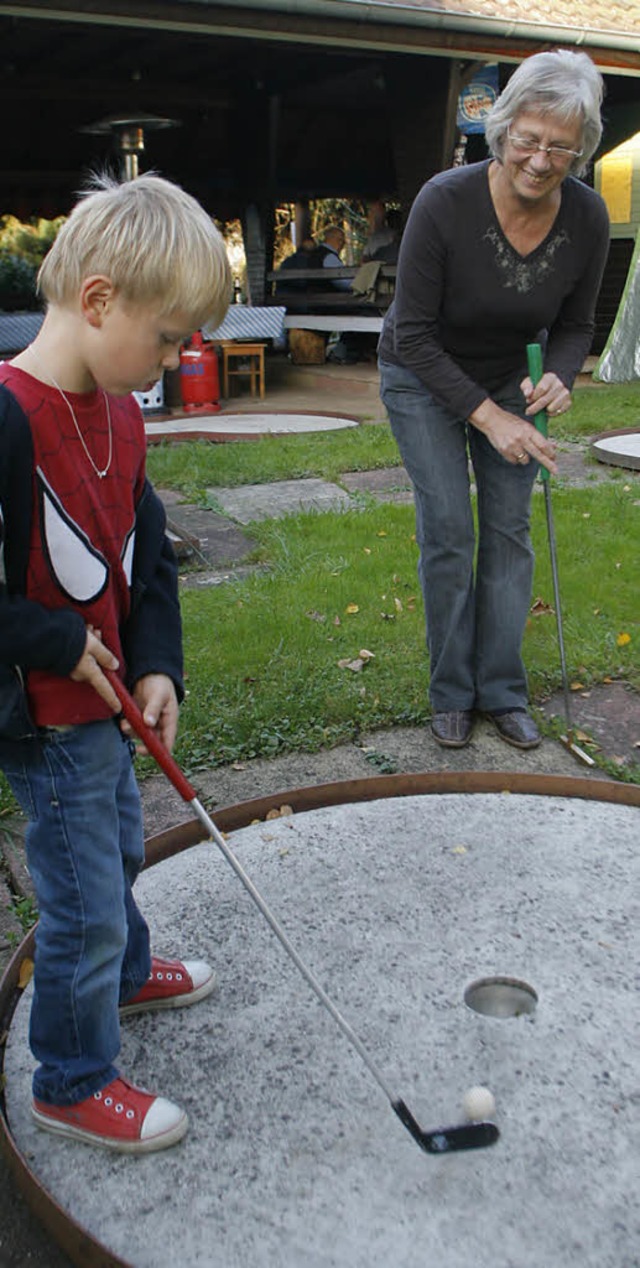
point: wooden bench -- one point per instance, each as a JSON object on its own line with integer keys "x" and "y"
{"x": 330, "y": 309}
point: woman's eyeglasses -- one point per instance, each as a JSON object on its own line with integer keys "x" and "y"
{"x": 530, "y": 145}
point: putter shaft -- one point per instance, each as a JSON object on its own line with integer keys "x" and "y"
{"x": 440, "y": 1140}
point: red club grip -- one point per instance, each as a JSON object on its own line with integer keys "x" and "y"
{"x": 149, "y": 738}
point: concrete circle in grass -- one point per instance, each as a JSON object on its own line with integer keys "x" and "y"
{"x": 396, "y": 904}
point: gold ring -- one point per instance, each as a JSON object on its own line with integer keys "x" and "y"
{"x": 523, "y": 457}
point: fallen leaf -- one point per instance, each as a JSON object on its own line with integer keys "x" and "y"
{"x": 623, "y": 639}
{"x": 354, "y": 665}
{"x": 352, "y": 608}
{"x": 596, "y": 611}
{"x": 585, "y": 694}
{"x": 26, "y": 973}
{"x": 582, "y": 735}
{"x": 366, "y": 655}
{"x": 238, "y": 765}
{"x": 540, "y": 608}
{"x": 382, "y": 533}
{"x": 577, "y": 686}
{"x": 398, "y": 605}
{"x": 459, "y": 849}
{"x": 366, "y": 550}
{"x": 586, "y": 515}
{"x": 607, "y": 679}
{"x": 286, "y": 810}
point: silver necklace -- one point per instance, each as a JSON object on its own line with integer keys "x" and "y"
{"x": 100, "y": 474}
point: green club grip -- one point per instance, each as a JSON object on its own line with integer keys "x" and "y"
{"x": 534, "y": 363}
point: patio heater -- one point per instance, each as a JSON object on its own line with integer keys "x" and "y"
{"x": 129, "y": 134}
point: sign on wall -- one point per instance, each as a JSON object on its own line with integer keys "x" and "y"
{"x": 477, "y": 98}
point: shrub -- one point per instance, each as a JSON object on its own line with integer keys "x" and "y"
{"x": 17, "y": 283}
{"x": 22, "y": 249}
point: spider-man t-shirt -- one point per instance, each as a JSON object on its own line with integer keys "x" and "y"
{"x": 82, "y": 529}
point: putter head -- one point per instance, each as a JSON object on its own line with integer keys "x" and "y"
{"x": 444, "y": 1140}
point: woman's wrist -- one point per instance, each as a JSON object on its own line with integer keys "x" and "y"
{"x": 484, "y": 415}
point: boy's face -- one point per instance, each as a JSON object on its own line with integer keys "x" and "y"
{"x": 135, "y": 343}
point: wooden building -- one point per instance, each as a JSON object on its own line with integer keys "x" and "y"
{"x": 274, "y": 100}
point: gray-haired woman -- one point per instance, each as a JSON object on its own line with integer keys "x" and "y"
{"x": 494, "y": 256}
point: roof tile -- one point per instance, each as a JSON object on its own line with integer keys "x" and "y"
{"x": 616, "y": 17}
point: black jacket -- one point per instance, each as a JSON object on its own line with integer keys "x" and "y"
{"x": 34, "y": 637}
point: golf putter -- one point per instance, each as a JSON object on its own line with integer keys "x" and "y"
{"x": 439, "y": 1140}
{"x": 534, "y": 361}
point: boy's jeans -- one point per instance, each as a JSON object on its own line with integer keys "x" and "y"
{"x": 474, "y": 626}
{"x": 84, "y": 850}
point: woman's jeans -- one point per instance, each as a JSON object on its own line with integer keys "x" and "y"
{"x": 474, "y": 625}
{"x": 84, "y": 849}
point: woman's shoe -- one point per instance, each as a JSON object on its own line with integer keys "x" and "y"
{"x": 452, "y": 730}
{"x": 516, "y": 728}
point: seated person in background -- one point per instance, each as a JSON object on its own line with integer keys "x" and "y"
{"x": 308, "y": 256}
{"x": 388, "y": 250}
{"x": 381, "y": 232}
{"x": 332, "y": 244}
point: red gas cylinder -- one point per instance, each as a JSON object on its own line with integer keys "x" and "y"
{"x": 199, "y": 380}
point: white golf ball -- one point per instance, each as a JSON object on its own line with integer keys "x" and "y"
{"x": 479, "y": 1104}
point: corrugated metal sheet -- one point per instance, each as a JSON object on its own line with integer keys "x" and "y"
{"x": 17, "y": 330}
{"x": 243, "y": 322}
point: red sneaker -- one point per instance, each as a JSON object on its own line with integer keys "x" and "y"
{"x": 172, "y": 984}
{"x": 119, "y": 1116}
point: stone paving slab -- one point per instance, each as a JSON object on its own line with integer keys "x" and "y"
{"x": 281, "y": 497}
{"x": 294, "y": 1155}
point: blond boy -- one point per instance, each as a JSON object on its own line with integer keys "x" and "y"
{"x": 91, "y": 584}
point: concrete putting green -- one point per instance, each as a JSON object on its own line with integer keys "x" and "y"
{"x": 294, "y": 1156}
{"x": 222, "y": 426}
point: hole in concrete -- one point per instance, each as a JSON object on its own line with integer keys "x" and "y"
{"x": 501, "y": 997}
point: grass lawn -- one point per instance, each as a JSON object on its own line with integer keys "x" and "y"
{"x": 263, "y": 654}
{"x": 191, "y": 468}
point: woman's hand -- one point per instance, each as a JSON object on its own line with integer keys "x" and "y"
{"x": 549, "y": 394}
{"x": 514, "y": 438}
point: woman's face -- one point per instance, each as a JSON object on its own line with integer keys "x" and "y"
{"x": 539, "y": 150}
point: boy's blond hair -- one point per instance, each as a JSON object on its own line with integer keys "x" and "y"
{"x": 154, "y": 242}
